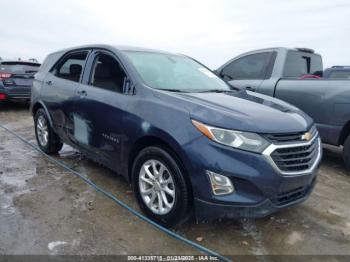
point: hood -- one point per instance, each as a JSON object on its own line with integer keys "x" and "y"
{"x": 245, "y": 111}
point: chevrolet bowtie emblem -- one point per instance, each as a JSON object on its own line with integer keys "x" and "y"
{"x": 307, "y": 136}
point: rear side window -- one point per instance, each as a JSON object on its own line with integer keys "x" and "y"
{"x": 71, "y": 67}
{"x": 108, "y": 74}
{"x": 248, "y": 67}
{"x": 298, "y": 64}
{"x": 18, "y": 66}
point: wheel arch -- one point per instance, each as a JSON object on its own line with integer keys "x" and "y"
{"x": 344, "y": 133}
{"x": 173, "y": 149}
{"x": 39, "y": 105}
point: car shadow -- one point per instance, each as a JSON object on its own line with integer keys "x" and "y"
{"x": 332, "y": 156}
{"x": 14, "y": 106}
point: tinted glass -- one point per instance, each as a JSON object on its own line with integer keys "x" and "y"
{"x": 71, "y": 67}
{"x": 18, "y": 66}
{"x": 298, "y": 64}
{"x": 339, "y": 75}
{"x": 108, "y": 74}
{"x": 168, "y": 71}
{"x": 248, "y": 67}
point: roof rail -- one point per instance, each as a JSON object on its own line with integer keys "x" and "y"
{"x": 337, "y": 66}
{"x": 306, "y": 50}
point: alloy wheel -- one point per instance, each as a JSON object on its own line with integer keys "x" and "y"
{"x": 157, "y": 187}
{"x": 42, "y": 131}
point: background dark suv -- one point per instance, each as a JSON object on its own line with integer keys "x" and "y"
{"x": 16, "y": 79}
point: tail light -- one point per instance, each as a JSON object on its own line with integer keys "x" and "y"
{"x": 2, "y": 96}
{"x": 4, "y": 76}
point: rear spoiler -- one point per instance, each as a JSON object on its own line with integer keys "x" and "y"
{"x": 306, "y": 50}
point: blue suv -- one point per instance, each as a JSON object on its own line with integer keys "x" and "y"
{"x": 188, "y": 142}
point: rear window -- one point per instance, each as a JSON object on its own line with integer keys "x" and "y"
{"x": 300, "y": 63}
{"x": 19, "y": 66}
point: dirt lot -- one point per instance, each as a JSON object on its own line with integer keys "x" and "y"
{"x": 46, "y": 210}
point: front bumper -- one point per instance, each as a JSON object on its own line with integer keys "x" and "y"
{"x": 260, "y": 187}
{"x": 206, "y": 210}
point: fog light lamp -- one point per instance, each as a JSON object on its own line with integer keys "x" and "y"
{"x": 220, "y": 184}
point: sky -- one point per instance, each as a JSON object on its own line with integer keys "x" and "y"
{"x": 210, "y": 31}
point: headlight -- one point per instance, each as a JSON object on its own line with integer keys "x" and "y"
{"x": 237, "y": 139}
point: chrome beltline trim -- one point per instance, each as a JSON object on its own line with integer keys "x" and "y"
{"x": 271, "y": 148}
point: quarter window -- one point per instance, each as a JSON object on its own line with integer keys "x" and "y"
{"x": 71, "y": 67}
{"x": 108, "y": 74}
{"x": 248, "y": 67}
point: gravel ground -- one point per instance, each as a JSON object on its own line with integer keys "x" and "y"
{"x": 46, "y": 210}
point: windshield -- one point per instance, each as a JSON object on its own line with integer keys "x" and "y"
{"x": 174, "y": 72}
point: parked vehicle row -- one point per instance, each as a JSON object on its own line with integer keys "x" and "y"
{"x": 294, "y": 75}
{"x": 16, "y": 79}
{"x": 186, "y": 140}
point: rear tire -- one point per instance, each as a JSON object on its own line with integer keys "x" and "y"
{"x": 166, "y": 183}
{"x": 346, "y": 153}
{"x": 46, "y": 138}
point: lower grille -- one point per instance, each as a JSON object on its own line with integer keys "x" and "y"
{"x": 285, "y": 198}
{"x": 296, "y": 158}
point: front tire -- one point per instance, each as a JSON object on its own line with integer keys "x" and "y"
{"x": 160, "y": 187}
{"x": 346, "y": 153}
{"x": 46, "y": 138}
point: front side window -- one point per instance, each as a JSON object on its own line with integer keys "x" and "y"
{"x": 174, "y": 72}
{"x": 248, "y": 67}
{"x": 71, "y": 67}
{"x": 107, "y": 74}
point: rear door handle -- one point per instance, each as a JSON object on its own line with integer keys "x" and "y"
{"x": 49, "y": 83}
{"x": 251, "y": 88}
{"x": 82, "y": 93}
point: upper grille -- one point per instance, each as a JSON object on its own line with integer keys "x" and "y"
{"x": 296, "y": 158}
{"x": 289, "y": 137}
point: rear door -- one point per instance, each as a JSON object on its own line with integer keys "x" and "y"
{"x": 249, "y": 71}
{"x": 59, "y": 92}
{"x": 19, "y": 77}
{"x": 101, "y": 108}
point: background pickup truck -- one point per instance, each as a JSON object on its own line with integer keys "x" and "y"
{"x": 296, "y": 76}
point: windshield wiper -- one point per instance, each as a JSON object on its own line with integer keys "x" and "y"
{"x": 218, "y": 91}
{"x": 172, "y": 90}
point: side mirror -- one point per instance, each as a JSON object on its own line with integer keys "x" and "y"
{"x": 216, "y": 72}
{"x": 226, "y": 77}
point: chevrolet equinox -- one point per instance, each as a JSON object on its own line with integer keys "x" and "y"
{"x": 188, "y": 142}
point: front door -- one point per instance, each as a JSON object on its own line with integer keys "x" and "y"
{"x": 101, "y": 108}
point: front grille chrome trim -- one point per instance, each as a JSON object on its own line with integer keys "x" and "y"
{"x": 271, "y": 148}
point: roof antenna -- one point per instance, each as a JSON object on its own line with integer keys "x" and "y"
{"x": 34, "y": 60}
